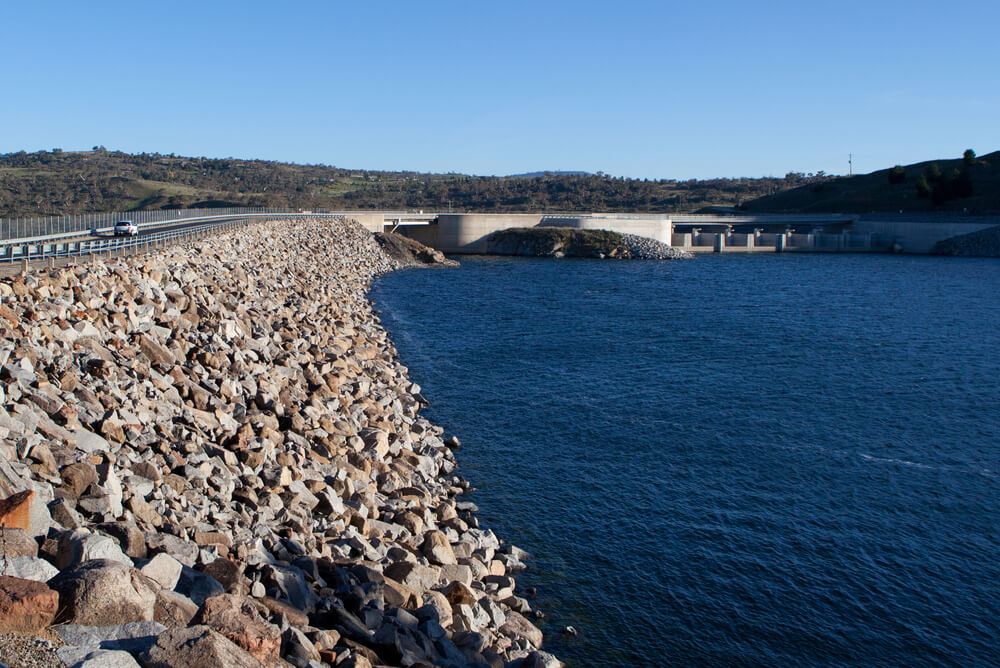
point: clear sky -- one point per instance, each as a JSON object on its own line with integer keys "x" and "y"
{"x": 641, "y": 89}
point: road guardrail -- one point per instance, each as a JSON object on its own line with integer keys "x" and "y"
{"x": 69, "y": 244}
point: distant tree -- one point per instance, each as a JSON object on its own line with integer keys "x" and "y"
{"x": 923, "y": 188}
{"x": 933, "y": 172}
{"x": 897, "y": 175}
{"x": 969, "y": 157}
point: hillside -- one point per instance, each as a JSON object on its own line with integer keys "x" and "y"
{"x": 61, "y": 183}
{"x": 959, "y": 184}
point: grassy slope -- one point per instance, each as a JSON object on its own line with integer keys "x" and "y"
{"x": 873, "y": 192}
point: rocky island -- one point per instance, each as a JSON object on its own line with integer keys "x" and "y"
{"x": 212, "y": 455}
{"x": 567, "y": 242}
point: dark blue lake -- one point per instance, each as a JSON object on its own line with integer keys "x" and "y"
{"x": 735, "y": 460}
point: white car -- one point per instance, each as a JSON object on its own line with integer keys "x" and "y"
{"x": 126, "y": 228}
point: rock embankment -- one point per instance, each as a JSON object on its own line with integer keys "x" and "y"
{"x": 567, "y": 242}
{"x": 211, "y": 455}
{"x": 984, "y": 243}
{"x": 411, "y": 253}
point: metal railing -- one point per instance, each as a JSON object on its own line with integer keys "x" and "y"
{"x": 27, "y": 228}
{"x": 70, "y": 244}
{"x": 16, "y": 252}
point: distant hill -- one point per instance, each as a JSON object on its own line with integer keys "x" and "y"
{"x": 62, "y": 182}
{"x": 971, "y": 184}
{"x": 549, "y": 173}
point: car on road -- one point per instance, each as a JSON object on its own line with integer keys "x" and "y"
{"x": 126, "y": 228}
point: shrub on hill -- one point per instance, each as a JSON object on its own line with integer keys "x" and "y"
{"x": 933, "y": 172}
{"x": 923, "y": 188}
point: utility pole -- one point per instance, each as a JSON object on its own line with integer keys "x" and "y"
{"x": 850, "y": 164}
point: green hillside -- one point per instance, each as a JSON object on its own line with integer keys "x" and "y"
{"x": 968, "y": 183}
{"x": 61, "y": 183}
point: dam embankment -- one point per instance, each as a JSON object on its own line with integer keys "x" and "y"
{"x": 213, "y": 456}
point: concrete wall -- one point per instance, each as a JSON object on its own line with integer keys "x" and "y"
{"x": 918, "y": 235}
{"x": 373, "y": 222}
{"x": 652, "y": 227}
{"x": 465, "y": 232}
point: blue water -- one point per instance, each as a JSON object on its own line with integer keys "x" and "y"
{"x": 767, "y": 460}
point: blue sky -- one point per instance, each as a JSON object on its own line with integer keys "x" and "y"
{"x": 640, "y": 89}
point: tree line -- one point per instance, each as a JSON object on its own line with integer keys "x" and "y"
{"x": 60, "y": 182}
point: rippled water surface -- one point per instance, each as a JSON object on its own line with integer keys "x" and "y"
{"x": 769, "y": 460}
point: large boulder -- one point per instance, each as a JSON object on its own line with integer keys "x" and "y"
{"x": 437, "y": 549}
{"x": 89, "y": 657}
{"x": 197, "y": 586}
{"x": 77, "y": 477}
{"x": 18, "y": 543}
{"x": 415, "y": 576}
{"x": 238, "y": 619}
{"x": 178, "y": 548}
{"x": 26, "y": 606}
{"x": 541, "y": 659}
{"x": 516, "y": 625}
{"x": 164, "y": 570}
{"x": 76, "y": 547}
{"x": 103, "y": 592}
{"x": 174, "y": 610}
{"x": 291, "y": 582}
{"x": 228, "y": 573}
{"x": 197, "y": 647}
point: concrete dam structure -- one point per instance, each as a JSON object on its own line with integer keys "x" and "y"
{"x": 465, "y": 233}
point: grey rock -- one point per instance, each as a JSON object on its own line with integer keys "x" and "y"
{"x": 88, "y": 657}
{"x": 297, "y": 649}
{"x": 540, "y": 659}
{"x": 164, "y": 570}
{"x": 30, "y": 568}
{"x": 65, "y": 515}
{"x": 78, "y": 546}
{"x": 292, "y": 584}
{"x": 131, "y": 637}
{"x": 415, "y": 576}
{"x": 91, "y": 443}
{"x": 197, "y": 586}
{"x": 180, "y": 549}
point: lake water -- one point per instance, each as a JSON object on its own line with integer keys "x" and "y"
{"x": 735, "y": 460}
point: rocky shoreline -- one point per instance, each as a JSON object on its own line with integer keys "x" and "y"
{"x": 212, "y": 455}
{"x": 984, "y": 243}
